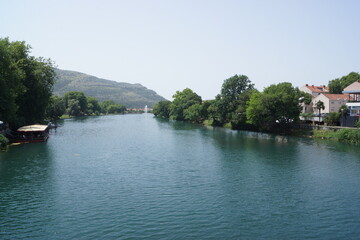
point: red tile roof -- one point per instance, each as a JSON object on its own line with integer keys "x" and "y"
{"x": 354, "y": 87}
{"x": 336, "y": 96}
{"x": 317, "y": 89}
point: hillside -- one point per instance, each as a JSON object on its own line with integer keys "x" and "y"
{"x": 131, "y": 95}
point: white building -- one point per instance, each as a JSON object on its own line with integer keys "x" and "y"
{"x": 353, "y": 90}
{"x": 332, "y": 102}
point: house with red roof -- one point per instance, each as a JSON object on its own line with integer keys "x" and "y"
{"x": 315, "y": 90}
{"x": 332, "y": 102}
{"x": 353, "y": 91}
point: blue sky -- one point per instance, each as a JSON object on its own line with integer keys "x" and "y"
{"x": 169, "y": 45}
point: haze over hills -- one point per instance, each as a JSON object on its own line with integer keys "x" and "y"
{"x": 131, "y": 95}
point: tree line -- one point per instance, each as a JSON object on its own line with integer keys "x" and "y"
{"x": 77, "y": 104}
{"x": 26, "y": 85}
{"x": 238, "y": 105}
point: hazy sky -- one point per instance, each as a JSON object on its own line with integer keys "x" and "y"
{"x": 169, "y": 45}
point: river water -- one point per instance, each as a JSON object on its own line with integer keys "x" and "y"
{"x": 137, "y": 177}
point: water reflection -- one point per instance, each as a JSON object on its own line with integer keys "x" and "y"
{"x": 26, "y": 187}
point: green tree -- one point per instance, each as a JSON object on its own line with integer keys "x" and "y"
{"x": 231, "y": 92}
{"x": 116, "y": 108}
{"x": 320, "y": 106}
{"x": 81, "y": 101}
{"x": 56, "y": 108}
{"x": 183, "y": 100}
{"x": 344, "y": 111}
{"x": 74, "y": 108}
{"x": 11, "y": 76}
{"x": 25, "y": 84}
{"x": 337, "y": 85}
{"x": 93, "y": 106}
{"x": 162, "y": 109}
{"x": 197, "y": 112}
{"x": 105, "y": 104}
{"x": 276, "y": 104}
{"x": 239, "y": 118}
{"x": 333, "y": 119}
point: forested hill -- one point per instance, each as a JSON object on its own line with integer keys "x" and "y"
{"x": 131, "y": 95}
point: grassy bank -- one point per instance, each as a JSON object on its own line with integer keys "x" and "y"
{"x": 343, "y": 135}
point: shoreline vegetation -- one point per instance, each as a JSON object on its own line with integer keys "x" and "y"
{"x": 26, "y": 96}
{"x": 26, "y": 92}
{"x": 240, "y": 106}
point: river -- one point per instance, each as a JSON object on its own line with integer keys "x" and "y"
{"x": 138, "y": 177}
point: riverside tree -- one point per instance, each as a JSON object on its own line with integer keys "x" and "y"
{"x": 337, "y": 85}
{"x": 162, "y": 109}
{"x": 277, "y": 104}
{"x": 25, "y": 84}
{"x": 183, "y": 100}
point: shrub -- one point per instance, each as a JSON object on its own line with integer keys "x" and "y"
{"x": 3, "y": 142}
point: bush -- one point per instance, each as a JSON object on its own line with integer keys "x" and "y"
{"x": 357, "y": 124}
{"x": 333, "y": 119}
{"x": 3, "y": 142}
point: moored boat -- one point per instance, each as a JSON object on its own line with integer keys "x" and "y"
{"x": 30, "y": 133}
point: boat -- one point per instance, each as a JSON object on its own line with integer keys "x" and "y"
{"x": 29, "y": 134}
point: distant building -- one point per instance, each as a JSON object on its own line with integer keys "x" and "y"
{"x": 353, "y": 90}
{"x": 332, "y": 102}
{"x": 315, "y": 90}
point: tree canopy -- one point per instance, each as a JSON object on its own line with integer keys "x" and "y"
{"x": 278, "y": 103}
{"x": 183, "y": 100}
{"x": 337, "y": 85}
{"x": 25, "y": 84}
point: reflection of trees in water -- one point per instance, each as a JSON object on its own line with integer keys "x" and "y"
{"x": 26, "y": 184}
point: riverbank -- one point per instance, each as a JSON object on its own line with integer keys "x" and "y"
{"x": 332, "y": 133}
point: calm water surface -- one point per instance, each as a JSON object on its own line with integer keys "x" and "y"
{"x": 136, "y": 177}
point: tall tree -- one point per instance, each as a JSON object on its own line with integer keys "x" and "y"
{"x": 162, "y": 109}
{"x": 81, "y": 101}
{"x": 276, "y": 104}
{"x": 337, "y": 85}
{"x": 231, "y": 92}
{"x": 183, "y": 100}
{"x": 25, "y": 84}
{"x": 56, "y": 108}
{"x": 320, "y": 106}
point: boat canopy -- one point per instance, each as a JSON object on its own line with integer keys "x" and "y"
{"x": 33, "y": 128}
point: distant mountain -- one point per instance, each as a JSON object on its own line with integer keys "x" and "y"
{"x": 131, "y": 95}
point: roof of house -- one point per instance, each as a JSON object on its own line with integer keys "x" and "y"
{"x": 317, "y": 89}
{"x": 352, "y": 88}
{"x": 33, "y": 128}
{"x": 336, "y": 96}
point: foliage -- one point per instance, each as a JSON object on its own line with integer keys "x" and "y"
{"x": 105, "y": 104}
{"x": 357, "y": 124}
{"x": 307, "y": 116}
{"x": 25, "y": 84}
{"x": 56, "y": 108}
{"x": 131, "y": 95}
{"x": 238, "y": 117}
{"x": 231, "y": 95}
{"x": 337, "y": 85}
{"x": 320, "y": 106}
{"x": 162, "y": 109}
{"x": 305, "y": 98}
{"x": 197, "y": 112}
{"x": 344, "y": 110}
{"x": 76, "y": 103}
{"x": 93, "y": 106}
{"x": 116, "y": 108}
{"x": 333, "y": 119}
{"x": 183, "y": 100}
{"x": 343, "y": 135}
{"x": 3, "y": 142}
{"x": 276, "y": 104}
